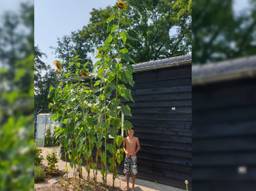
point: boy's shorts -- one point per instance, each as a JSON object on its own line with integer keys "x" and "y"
{"x": 130, "y": 165}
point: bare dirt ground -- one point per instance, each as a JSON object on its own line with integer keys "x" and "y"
{"x": 69, "y": 183}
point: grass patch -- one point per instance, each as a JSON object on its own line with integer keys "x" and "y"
{"x": 39, "y": 174}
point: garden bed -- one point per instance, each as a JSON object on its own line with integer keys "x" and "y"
{"x": 81, "y": 184}
{"x": 58, "y": 183}
{"x": 71, "y": 184}
{"x": 50, "y": 175}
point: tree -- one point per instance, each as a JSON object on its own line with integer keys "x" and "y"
{"x": 72, "y": 46}
{"x": 219, "y": 34}
{"x": 16, "y": 111}
{"x": 44, "y": 77}
{"x": 149, "y": 24}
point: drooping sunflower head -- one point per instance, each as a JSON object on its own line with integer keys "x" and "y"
{"x": 57, "y": 65}
{"x": 121, "y": 4}
{"x": 84, "y": 74}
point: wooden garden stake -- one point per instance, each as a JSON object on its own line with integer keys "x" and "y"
{"x": 186, "y": 183}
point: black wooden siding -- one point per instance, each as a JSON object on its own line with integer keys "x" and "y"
{"x": 224, "y": 135}
{"x": 165, "y": 134}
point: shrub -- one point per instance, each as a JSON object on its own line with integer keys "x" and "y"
{"x": 38, "y": 157}
{"x": 39, "y": 174}
{"x": 48, "y": 138}
{"x": 52, "y": 161}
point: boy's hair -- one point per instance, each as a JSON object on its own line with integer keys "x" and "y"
{"x": 131, "y": 129}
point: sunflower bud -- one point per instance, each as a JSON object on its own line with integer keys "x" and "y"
{"x": 57, "y": 65}
{"x": 84, "y": 74}
{"x": 121, "y": 4}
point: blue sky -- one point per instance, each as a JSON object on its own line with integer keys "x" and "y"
{"x": 9, "y": 5}
{"x": 240, "y": 6}
{"x": 56, "y": 18}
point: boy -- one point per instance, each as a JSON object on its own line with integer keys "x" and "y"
{"x": 131, "y": 148}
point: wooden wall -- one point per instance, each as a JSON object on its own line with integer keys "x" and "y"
{"x": 165, "y": 134}
{"x": 224, "y": 136}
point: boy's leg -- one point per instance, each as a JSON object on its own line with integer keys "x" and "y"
{"x": 133, "y": 181}
{"x": 127, "y": 171}
{"x": 134, "y": 170}
{"x": 128, "y": 180}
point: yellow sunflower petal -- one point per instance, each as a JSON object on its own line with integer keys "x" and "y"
{"x": 57, "y": 65}
{"x": 121, "y": 4}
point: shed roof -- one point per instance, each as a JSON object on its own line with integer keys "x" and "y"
{"x": 163, "y": 63}
{"x": 151, "y": 65}
{"x": 225, "y": 70}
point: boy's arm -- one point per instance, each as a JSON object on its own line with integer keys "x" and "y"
{"x": 138, "y": 145}
{"x": 124, "y": 146}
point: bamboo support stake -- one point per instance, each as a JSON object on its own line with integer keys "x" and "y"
{"x": 122, "y": 124}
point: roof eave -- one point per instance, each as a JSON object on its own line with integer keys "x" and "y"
{"x": 163, "y": 63}
{"x": 223, "y": 71}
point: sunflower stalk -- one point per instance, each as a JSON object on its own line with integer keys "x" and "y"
{"x": 91, "y": 112}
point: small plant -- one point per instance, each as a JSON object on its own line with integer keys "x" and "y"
{"x": 52, "y": 161}
{"x": 48, "y": 138}
{"x": 38, "y": 157}
{"x": 39, "y": 174}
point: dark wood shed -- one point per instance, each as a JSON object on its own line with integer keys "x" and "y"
{"x": 162, "y": 119}
{"x": 224, "y": 126}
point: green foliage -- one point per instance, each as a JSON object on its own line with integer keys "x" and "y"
{"x": 16, "y": 100}
{"x": 16, "y": 156}
{"x": 90, "y": 109}
{"x": 52, "y": 160}
{"x": 39, "y": 174}
{"x": 219, "y": 33}
{"x": 38, "y": 157}
{"x": 55, "y": 138}
{"x": 43, "y": 78}
{"x": 48, "y": 141}
{"x": 51, "y": 139}
{"x": 146, "y": 32}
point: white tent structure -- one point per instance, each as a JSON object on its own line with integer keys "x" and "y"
{"x": 43, "y": 122}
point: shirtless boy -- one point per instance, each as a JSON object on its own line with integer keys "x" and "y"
{"x": 131, "y": 148}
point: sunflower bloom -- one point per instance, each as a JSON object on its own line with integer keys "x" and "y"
{"x": 121, "y": 4}
{"x": 57, "y": 65}
{"x": 84, "y": 74}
